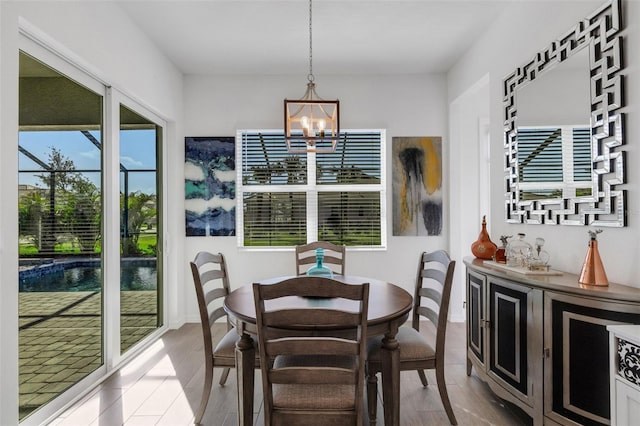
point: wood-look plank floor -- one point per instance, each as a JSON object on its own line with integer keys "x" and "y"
{"x": 163, "y": 385}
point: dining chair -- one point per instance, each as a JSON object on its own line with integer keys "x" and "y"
{"x": 316, "y": 376}
{"x": 212, "y": 286}
{"x": 417, "y": 352}
{"x": 334, "y": 256}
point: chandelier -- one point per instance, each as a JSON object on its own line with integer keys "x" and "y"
{"x": 311, "y": 124}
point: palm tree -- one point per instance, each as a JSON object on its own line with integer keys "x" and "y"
{"x": 141, "y": 209}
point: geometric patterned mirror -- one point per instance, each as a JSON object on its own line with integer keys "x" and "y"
{"x": 563, "y": 129}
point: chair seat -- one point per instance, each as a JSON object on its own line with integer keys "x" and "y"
{"x": 413, "y": 346}
{"x": 310, "y": 397}
{"x": 226, "y": 347}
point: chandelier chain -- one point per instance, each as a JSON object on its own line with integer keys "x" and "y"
{"x": 310, "y": 76}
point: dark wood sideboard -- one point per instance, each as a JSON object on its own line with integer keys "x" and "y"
{"x": 541, "y": 343}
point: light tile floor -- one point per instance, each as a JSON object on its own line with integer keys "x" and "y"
{"x": 163, "y": 385}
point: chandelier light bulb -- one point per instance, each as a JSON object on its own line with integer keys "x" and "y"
{"x": 304, "y": 121}
{"x": 321, "y": 127}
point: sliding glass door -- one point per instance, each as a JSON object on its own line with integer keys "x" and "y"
{"x": 60, "y": 233}
{"x": 90, "y": 231}
{"x": 140, "y": 289}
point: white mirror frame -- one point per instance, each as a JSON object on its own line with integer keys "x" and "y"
{"x": 600, "y": 33}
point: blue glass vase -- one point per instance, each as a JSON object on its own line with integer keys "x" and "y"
{"x": 320, "y": 270}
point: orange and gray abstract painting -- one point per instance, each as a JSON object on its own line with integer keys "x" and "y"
{"x": 417, "y": 185}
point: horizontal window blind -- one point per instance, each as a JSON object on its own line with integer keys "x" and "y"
{"x": 290, "y": 199}
{"x": 582, "y": 154}
{"x": 540, "y": 154}
{"x": 356, "y": 160}
{"x": 351, "y": 218}
{"x": 265, "y": 161}
{"x": 274, "y": 219}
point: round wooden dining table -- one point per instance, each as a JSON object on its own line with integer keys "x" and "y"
{"x": 389, "y": 307}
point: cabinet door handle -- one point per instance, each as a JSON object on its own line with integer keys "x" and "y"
{"x": 547, "y": 353}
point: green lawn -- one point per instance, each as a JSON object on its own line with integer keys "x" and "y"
{"x": 147, "y": 243}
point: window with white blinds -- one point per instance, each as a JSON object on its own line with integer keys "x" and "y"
{"x": 287, "y": 199}
{"x": 554, "y": 161}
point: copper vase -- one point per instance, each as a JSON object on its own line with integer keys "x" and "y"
{"x": 592, "y": 270}
{"x": 484, "y": 248}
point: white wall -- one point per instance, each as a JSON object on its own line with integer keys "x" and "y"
{"x": 404, "y": 105}
{"x": 524, "y": 29}
{"x": 103, "y": 40}
{"x": 468, "y": 177}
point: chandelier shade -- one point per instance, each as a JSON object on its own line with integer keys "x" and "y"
{"x": 311, "y": 124}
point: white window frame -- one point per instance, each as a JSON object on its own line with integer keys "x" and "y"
{"x": 312, "y": 189}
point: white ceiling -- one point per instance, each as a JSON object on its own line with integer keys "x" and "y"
{"x": 349, "y": 36}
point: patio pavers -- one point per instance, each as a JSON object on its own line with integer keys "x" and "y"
{"x": 60, "y": 338}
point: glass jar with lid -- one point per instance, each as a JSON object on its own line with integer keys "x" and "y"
{"x": 518, "y": 250}
{"x": 538, "y": 258}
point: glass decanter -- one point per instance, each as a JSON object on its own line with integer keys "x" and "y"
{"x": 538, "y": 259}
{"x": 319, "y": 270}
{"x": 518, "y": 251}
{"x": 501, "y": 252}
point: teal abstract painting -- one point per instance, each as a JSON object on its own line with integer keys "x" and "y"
{"x": 210, "y": 186}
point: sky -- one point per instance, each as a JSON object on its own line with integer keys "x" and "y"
{"x": 136, "y": 153}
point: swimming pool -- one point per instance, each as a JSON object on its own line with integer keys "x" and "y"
{"x": 137, "y": 275}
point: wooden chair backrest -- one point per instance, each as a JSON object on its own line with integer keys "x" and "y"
{"x": 334, "y": 257}
{"x": 211, "y": 284}
{"x": 433, "y": 292}
{"x": 277, "y": 337}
